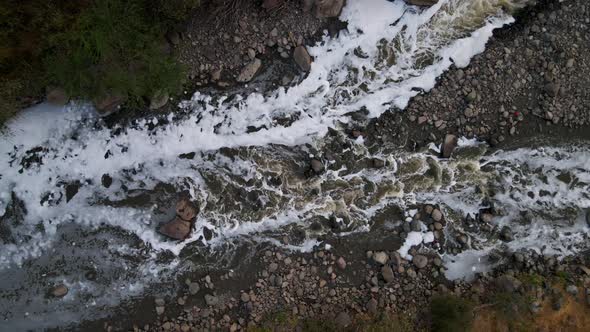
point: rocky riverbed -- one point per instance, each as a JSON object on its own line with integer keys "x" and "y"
{"x": 529, "y": 83}
{"x": 381, "y": 224}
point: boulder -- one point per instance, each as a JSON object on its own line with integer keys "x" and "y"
{"x": 186, "y": 210}
{"x": 372, "y": 306}
{"x": 426, "y": 3}
{"x": 249, "y": 71}
{"x": 109, "y": 103}
{"x": 449, "y": 145}
{"x": 328, "y": 8}
{"x": 59, "y": 291}
{"x": 508, "y": 283}
{"x": 420, "y": 261}
{"x": 177, "y": 229}
{"x": 158, "y": 100}
{"x": 380, "y": 257}
{"x": 317, "y": 166}
{"x": 271, "y": 4}
{"x": 57, "y": 96}
{"x": 302, "y": 58}
{"x": 173, "y": 37}
{"x": 211, "y": 300}
{"x": 387, "y": 273}
{"x": 437, "y": 215}
{"x": 343, "y": 319}
{"x": 506, "y": 234}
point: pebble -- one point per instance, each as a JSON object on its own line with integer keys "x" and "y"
{"x": 341, "y": 263}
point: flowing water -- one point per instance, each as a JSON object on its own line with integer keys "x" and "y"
{"x": 80, "y": 202}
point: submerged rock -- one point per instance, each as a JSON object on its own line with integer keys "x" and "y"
{"x": 59, "y": 291}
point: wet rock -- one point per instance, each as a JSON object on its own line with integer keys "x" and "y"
{"x": 57, "y": 96}
{"x": 207, "y": 233}
{"x": 426, "y": 3}
{"x": 420, "y": 261}
{"x": 160, "y": 310}
{"x": 508, "y": 283}
{"x": 59, "y": 291}
{"x": 341, "y": 263}
{"x": 328, "y": 8}
{"x": 343, "y": 319}
{"x": 106, "y": 180}
{"x": 211, "y": 300}
{"x": 177, "y": 229}
{"x": 317, "y": 166}
{"x": 249, "y": 71}
{"x": 189, "y": 155}
{"x": 437, "y": 215}
{"x": 506, "y": 234}
{"x": 415, "y": 226}
{"x": 449, "y": 145}
{"x": 186, "y": 210}
{"x": 387, "y": 273}
{"x": 380, "y": 257}
{"x": 109, "y": 103}
{"x": 72, "y": 190}
{"x": 302, "y": 58}
{"x": 158, "y": 100}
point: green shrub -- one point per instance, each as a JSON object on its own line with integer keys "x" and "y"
{"x": 450, "y": 314}
{"x": 113, "y": 48}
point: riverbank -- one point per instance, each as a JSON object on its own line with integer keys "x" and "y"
{"x": 360, "y": 281}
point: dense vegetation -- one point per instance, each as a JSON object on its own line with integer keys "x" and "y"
{"x": 90, "y": 48}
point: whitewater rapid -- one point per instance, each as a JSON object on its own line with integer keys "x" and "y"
{"x": 248, "y": 183}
